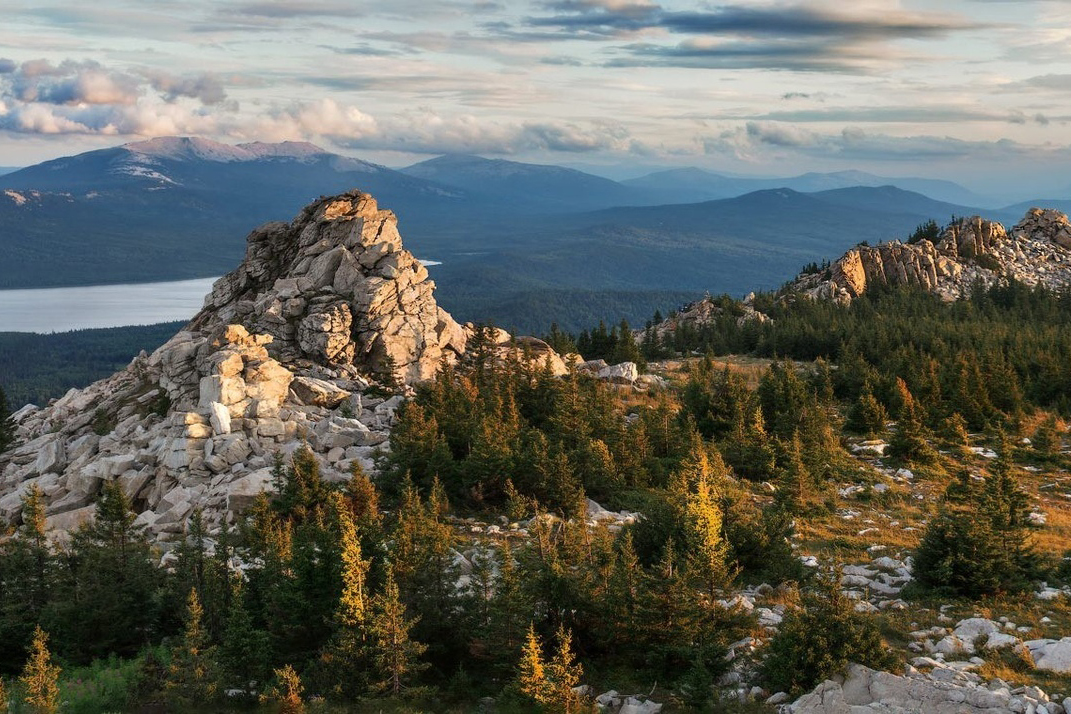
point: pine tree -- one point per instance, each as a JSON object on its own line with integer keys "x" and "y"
{"x": 396, "y": 654}
{"x": 40, "y": 677}
{"x": 8, "y": 428}
{"x": 190, "y": 677}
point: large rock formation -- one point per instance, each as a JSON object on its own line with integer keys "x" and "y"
{"x": 1036, "y": 251}
{"x": 279, "y": 357}
{"x": 336, "y": 287}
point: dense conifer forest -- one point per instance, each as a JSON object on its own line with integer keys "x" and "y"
{"x": 474, "y": 566}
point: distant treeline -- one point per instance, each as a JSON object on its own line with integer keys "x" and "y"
{"x": 35, "y": 368}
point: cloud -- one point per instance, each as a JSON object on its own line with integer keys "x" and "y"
{"x": 755, "y": 140}
{"x": 7, "y": 66}
{"x": 799, "y": 20}
{"x": 205, "y": 87}
{"x": 69, "y": 83}
{"x": 801, "y": 56}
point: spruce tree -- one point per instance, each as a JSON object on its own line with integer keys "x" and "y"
{"x": 867, "y": 416}
{"x": 244, "y": 651}
{"x": 113, "y": 568}
{"x": 1046, "y": 441}
{"x": 40, "y": 677}
{"x": 910, "y": 442}
{"x": 794, "y": 480}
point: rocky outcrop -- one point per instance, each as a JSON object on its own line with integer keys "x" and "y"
{"x": 336, "y": 287}
{"x": 1036, "y": 251}
{"x": 280, "y": 357}
{"x": 939, "y": 692}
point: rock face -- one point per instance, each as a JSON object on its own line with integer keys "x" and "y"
{"x": 1036, "y": 251}
{"x": 336, "y": 287}
{"x": 279, "y": 357}
{"x": 866, "y": 690}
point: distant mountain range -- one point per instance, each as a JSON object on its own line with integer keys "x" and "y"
{"x": 8, "y": 169}
{"x": 522, "y": 244}
{"x": 699, "y": 185}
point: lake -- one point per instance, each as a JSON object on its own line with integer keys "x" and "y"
{"x": 63, "y": 309}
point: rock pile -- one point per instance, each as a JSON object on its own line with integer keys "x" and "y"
{"x": 941, "y": 691}
{"x": 281, "y": 356}
{"x": 1036, "y": 251}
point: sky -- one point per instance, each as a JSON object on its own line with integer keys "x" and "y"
{"x": 976, "y": 91}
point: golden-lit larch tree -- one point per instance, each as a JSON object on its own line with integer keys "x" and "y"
{"x": 40, "y": 677}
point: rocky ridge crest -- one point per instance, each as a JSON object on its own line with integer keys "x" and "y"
{"x": 1037, "y": 251}
{"x": 282, "y": 355}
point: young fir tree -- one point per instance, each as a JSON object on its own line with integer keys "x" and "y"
{"x": 244, "y": 651}
{"x": 794, "y": 480}
{"x": 867, "y": 416}
{"x": 820, "y": 639}
{"x": 396, "y": 654}
{"x": 979, "y": 543}
{"x": 7, "y": 424}
{"x": 910, "y": 442}
{"x": 1046, "y": 441}
{"x": 191, "y": 680}
{"x": 40, "y": 677}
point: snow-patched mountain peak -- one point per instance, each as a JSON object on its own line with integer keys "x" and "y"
{"x": 184, "y": 148}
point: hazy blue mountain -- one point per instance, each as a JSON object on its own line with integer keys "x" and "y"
{"x": 701, "y": 185}
{"x": 759, "y": 240}
{"x": 8, "y": 169}
{"x": 528, "y": 186}
{"x": 177, "y": 207}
